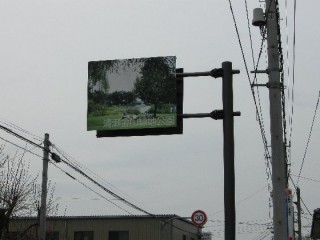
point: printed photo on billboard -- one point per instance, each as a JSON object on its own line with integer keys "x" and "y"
{"x": 132, "y": 97}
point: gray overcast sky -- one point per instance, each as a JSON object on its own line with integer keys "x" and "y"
{"x": 45, "y": 47}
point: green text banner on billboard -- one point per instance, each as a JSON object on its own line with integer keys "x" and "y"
{"x": 133, "y": 97}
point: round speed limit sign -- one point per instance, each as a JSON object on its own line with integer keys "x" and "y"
{"x": 199, "y": 218}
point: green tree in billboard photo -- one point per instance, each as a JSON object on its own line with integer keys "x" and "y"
{"x": 131, "y": 94}
{"x": 156, "y": 85}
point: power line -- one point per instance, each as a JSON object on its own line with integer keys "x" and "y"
{"x": 309, "y": 137}
{"x": 258, "y": 109}
{"x": 263, "y": 235}
{"x": 20, "y": 137}
{"x": 257, "y": 103}
{"x": 293, "y": 65}
{"x": 76, "y": 163}
{"x": 295, "y": 187}
{"x": 86, "y": 186}
{"x": 23, "y": 148}
{"x": 104, "y": 188}
{"x": 248, "y": 22}
{"x": 291, "y": 90}
{"x": 107, "y": 190}
{"x": 242, "y": 200}
{"x": 16, "y": 127}
{"x": 81, "y": 166}
{"x": 310, "y": 179}
{"x": 77, "y": 170}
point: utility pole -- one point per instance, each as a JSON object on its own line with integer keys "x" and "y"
{"x": 43, "y": 207}
{"x": 299, "y": 213}
{"x": 276, "y": 128}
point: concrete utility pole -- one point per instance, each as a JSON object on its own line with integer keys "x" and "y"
{"x": 276, "y": 128}
{"x": 43, "y": 207}
{"x": 299, "y": 214}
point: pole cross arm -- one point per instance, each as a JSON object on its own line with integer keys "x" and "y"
{"x": 216, "y": 114}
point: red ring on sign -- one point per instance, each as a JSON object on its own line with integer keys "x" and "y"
{"x": 202, "y": 222}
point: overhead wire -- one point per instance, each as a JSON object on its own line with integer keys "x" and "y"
{"x": 257, "y": 103}
{"x": 81, "y": 166}
{"x": 293, "y": 68}
{"x": 68, "y": 174}
{"x": 21, "y": 137}
{"x": 306, "y": 178}
{"x": 77, "y": 170}
{"x": 91, "y": 189}
{"x": 250, "y": 82}
{"x": 295, "y": 187}
{"x": 78, "y": 165}
{"x": 250, "y": 36}
{"x": 110, "y": 201}
{"x": 16, "y": 127}
{"x": 309, "y": 137}
{"x": 241, "y": 200}
{"x": 263, "y": 235}
{"x": 291, "y": 89}
{"x": 23, "y": 148}
{"x": 105, "y": 189}
{"x": 258, "y": 109}
{"x": 242, "y": 230}
{"x": 288, "y": 78}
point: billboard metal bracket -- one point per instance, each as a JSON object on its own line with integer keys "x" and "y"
{"x": 217, "y": 72}
{"x": 216, "y": 114}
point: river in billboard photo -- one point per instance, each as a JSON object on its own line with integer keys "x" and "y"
{"x": 132, "y": 94}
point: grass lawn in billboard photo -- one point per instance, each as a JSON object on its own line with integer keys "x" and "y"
{"x": 121, "y": 117}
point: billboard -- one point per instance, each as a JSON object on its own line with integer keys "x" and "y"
{"x": 134, "y": 97}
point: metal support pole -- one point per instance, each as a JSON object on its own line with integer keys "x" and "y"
{"x": 226, "y": 114}
{"x": 228, "y": 152}
{"x": 276, "y": 128}
{"x": 43, "y": 208}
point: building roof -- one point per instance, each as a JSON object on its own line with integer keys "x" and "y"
{"x": 159, "y": 216}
